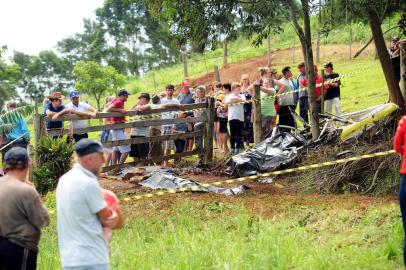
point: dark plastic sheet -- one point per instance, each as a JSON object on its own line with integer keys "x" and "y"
{"x": 271, "y": 154}
{"x": 166, "y": 179}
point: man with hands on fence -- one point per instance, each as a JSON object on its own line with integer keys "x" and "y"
{"x": 78, "y": 108}
{"x": 117, "y": 105}
{"x": 82, "y": 211}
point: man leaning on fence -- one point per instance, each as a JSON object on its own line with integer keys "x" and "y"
{"x": 22, "y": 214}
{"x": 117, "y": 105}
{"x": 80, "y": 109}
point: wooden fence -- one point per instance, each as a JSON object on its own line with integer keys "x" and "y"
{"x": 207, "y": 133}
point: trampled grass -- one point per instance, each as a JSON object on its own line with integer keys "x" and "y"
{"x": 207, "y": 234}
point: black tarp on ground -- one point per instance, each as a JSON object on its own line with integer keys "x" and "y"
{"x": 166, "y": 179}
{"x": 269, "y": 155}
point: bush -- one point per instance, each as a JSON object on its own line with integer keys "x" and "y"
{"x": 54, "y": 160}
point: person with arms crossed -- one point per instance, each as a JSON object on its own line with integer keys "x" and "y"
{"x": 82, "y": 211}
{"x": 22, "y": 214}
{"x": 53, "y": 107}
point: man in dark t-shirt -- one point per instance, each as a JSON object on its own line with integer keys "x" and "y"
{"x": 332, "y": 97}
{"x": 55, "y": 106}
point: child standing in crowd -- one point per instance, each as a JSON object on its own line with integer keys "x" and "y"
{"x": 267, "y": 107}
{"x": 181, "y": 128}
{"x": 218, "y": 94}
{"x": 222, "y": 115}
{"x": 248, "y": 131}
{"x": 235, "y": 116}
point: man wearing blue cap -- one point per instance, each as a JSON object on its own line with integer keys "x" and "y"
{"x": 117, "y": 105}
{"x": 82, "y": 211}
{"x": 80, "y": 109}
{"x": 22, "y": 214}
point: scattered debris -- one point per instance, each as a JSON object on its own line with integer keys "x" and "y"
{"x": 167, "y": 179}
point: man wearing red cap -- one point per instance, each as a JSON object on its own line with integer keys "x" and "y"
{"x": 186, "y": 97}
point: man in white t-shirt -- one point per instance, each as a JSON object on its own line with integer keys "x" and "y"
{"x": 167, "y": 129}
{"x": 234, "y": 101}
{"x": 80, "y": 109}
{"x": 82, "y": 211}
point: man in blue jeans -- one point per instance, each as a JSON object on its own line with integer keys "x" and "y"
{"x": 303, "y": 97}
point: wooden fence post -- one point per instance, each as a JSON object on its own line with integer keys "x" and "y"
{"x": 322, "y": 91}
{"x": 403, "y": 69}
{"x": 225, "y": 60}
{"x": 216, "y": 73}
{"x": 185, "y": 68}
{"x": 209, "y": 130}
{"x": 257, "y": 115}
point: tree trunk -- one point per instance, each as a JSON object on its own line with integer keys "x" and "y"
{"x": 268, "y": 42}
{"x": 306, "y": 42}
{"x": 395, "y": 95}
{"x": 311, "y": 80}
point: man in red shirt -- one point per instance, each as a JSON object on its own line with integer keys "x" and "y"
{"x": 319, "y": 80}
{"x": 117, "y": 105}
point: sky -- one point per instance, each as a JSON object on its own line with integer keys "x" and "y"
{"x": 31, "y": 26}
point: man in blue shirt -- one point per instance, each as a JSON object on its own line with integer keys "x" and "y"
{"x": 19, "y": 135}
{"x": 55, "y": 106}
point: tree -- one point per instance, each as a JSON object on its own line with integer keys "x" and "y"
{"x": 144, "y": 42}
{"x": 42, "y": 74}
{"x": 205, "y": 22}
{"x": 373, "y": 12}
{"x": 9, "y": 74}
{"x": 96, "y": 80}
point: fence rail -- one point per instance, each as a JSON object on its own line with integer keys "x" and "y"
{"x": 206, "y": 117}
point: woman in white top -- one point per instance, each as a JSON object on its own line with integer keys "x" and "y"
{"x": 235, "y": 116}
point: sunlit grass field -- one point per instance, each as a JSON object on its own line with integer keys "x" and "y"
{"x": 276, "y": 232}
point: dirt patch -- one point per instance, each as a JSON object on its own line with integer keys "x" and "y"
{"x": 232, "y": 72}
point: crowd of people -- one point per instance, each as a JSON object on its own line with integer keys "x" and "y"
{"x": 280, "y": 95}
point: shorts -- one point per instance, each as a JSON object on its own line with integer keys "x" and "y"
{"x": 223, "y": 128}
{"x": 169, "y": 144}
{"x": 139, "y": 150}
{"x": 88, "y": 267}
{"x": 118, "y": 135}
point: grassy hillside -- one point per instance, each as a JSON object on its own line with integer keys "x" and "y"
{"x": 242, "y": 49}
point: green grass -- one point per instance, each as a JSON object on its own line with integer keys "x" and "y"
{"x": 207, "y": 234}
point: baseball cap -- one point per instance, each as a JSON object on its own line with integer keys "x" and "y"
{"x": 144, "y": 95}
{"x": 328, "y": 64}
{"x": 73, "y": 94}
{"x": 155, "y": 99}
{"x": 123, "y": 92}
{"x": 185, "y": 84}
{"x": 85, "y": 147}
{"x": 15, "y": 158}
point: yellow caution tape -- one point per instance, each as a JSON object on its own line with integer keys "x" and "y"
{"x": 255, "y": 177}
